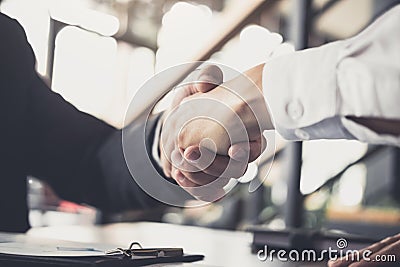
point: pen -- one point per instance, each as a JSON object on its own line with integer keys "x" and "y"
{"x": 77, "y": 249}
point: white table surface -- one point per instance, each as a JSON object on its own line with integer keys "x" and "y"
{"x": 221, "y": 248}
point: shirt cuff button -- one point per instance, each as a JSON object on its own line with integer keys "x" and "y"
{"x": 295, "y": 109}
{"x": 301, "y": 134}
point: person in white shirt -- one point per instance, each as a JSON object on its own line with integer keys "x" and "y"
{"x": 348, "y": 89}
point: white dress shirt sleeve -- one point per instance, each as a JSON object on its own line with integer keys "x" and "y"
{"x": 311, "y": 92}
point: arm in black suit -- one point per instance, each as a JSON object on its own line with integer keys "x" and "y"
{"x": 60, "y": 144}
{"x": 80, "y": 156}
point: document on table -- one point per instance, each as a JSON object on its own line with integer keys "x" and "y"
{"x": 20, "y": 244}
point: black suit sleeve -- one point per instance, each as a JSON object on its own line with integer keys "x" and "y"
{"x": 62, "y": 144}
{"x": 113, "y": 164}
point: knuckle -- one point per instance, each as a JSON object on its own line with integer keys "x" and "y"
{"x": 236, "y": 171}
{"x": 241, "y": 108}
{"x": 167, "y": 172}
{"x": 190, "y": 175}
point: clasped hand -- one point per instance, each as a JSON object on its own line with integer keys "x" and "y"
{"x": 211, "y": 133}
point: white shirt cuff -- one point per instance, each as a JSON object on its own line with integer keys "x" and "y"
{"x": 300, "y": 90}
{"x": 310, "y": 93}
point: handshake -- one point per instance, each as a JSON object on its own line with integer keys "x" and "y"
{"x": 213, "y": 130}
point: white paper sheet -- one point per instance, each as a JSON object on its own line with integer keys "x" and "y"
{"x": 20, "y": 244}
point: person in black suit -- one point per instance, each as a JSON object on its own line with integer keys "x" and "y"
{"x": 43, "y": 135}
{"x": 78, "y": 155}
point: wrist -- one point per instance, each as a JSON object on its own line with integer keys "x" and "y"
{"x": 250, "y": 104}
{"x": 255, "y": 75}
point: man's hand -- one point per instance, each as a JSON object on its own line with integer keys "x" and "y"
{"x": 209, "y": 78}
{"x": 381, "y": 254}
{"x": 213, "y": 148}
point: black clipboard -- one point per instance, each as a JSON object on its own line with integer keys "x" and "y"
{"x": 39, "y": 261}
{"x": 135, "y": 255}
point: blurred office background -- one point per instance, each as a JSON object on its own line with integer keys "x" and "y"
{"x": 97, "y": 54}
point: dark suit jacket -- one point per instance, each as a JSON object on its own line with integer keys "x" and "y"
{"x": 43, "y": 135}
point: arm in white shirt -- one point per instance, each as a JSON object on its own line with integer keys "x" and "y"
{"x": 329, "y": 92}
{"x": 319, "y": 93}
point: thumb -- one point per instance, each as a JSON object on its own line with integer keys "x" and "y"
{"x": 210, "y": 77}
{"x": 247, "y": 151}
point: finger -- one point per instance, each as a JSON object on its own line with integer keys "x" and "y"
{"x": 224, "y": 167}
{"x": 179, "y": 162}
{"x": 383, "y": 243}
{"x": 221, "y": 166}
{"x": 181, "y": 179}
{"x": 198, "y": 157}
{"x": 240, "y": 151}
{"x": 200, "y": 178}
{"x": 181, "y": 93}
{"x": 165, "y": 164}
{"x": 167, "y": 143}
{"x": 209, "y": 77}
{"x": 186, "y": 183}
{"x": 175, "y": 175}
{"x": 381, "y": 257}
{"x": 345, "y": 261}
